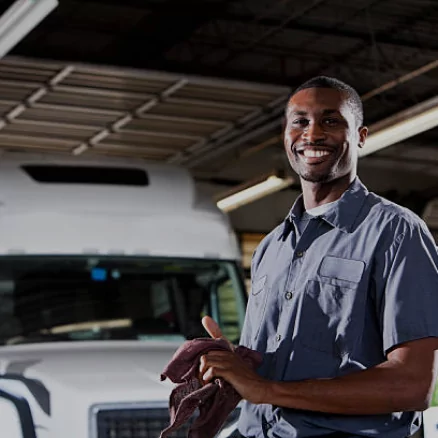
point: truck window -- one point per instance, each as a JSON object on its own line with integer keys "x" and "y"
{"x": 79, "y": 298}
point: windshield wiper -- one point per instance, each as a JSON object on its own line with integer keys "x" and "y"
{"x": 34, "y": 337}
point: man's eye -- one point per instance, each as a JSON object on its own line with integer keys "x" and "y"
{"x": 331, "y": 121}
{"x": 300, "y": 122}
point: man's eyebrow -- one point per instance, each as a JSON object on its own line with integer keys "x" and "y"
{"x": 330, "y": 111}
{"x": 297, "y": 113}
{"x": 325, "y": 112}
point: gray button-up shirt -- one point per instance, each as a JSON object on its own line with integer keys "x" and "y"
{"x": 362, "y": 278}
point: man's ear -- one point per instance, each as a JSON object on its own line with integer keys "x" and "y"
{"x": 363, "y": 133}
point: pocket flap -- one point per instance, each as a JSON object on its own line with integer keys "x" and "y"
{"x": 258, "y": 285}
{"x": 342, "y": 269}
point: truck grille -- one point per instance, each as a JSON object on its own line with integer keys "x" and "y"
{"x": 140, "y": 423}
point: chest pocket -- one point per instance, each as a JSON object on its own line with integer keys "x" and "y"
{"x": 333, "y": 306}
{"x": 257, "y": 304}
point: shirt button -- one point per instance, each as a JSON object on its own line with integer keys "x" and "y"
{"x": 278, "y": 338}
{"x": 288, "y": 295}
{"x": 300, "y": 253}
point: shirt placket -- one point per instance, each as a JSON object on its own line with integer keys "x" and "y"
{"x": 287, "y": 303}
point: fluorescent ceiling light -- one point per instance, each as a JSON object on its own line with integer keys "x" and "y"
{"x": 403, "y": 125}
{"x": 20, "y": 19}
{"x": 269, "y": 185}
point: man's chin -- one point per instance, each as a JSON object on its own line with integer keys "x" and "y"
{"x": 316, "y": 178}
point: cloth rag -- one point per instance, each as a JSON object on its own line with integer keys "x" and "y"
{"x": 215, "y": 400}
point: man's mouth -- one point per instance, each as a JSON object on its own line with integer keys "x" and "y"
{"x": 314, "y": 155}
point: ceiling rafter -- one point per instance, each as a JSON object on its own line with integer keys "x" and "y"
{"x": 178, "y": 114}
{"x": 322, "y": 31}
{"x": 254, "y": 20}
{"x": 295, "y": 15}
{"x": 345, "y": 56}
{"x": 38, "y": 93}
{"x": 281, "y": 53}
{"x": 167, "y": 25}
{"x": 125, "y": 119}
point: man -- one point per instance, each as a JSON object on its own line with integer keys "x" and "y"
{"x": 344, "y": 296}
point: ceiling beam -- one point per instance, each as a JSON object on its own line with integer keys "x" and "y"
{"x": 164, "y": 28}
{"x": 296, "y": 14}
{"x": 285, "y": 53}
{"x": 390, "y": 39}
{"x": 344, "y": 57}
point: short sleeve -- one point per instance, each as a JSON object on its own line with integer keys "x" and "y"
{"x": 409, "y": 305}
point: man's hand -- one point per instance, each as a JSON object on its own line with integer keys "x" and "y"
{"x": 235, "y": 371}
{"x": 230, "y": 367}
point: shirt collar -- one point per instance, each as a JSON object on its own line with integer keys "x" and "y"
{"x": 342, "y": 215}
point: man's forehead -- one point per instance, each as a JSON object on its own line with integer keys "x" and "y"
{"x": 318, "y": 98}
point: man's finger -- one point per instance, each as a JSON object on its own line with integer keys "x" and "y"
{"x": 214, "y": 330}
{"x": 212, "y": 327}
{"x": 208, "y": 375}
{"x": 202, "y": 365}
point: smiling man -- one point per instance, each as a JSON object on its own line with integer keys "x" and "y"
{"x": 344, "y": 294}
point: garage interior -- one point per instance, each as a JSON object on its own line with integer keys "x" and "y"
{"x": 203, "y": 84}
{"x": 200, "y": 84}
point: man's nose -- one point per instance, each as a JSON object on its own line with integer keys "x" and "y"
{"x": 314, "y": 133}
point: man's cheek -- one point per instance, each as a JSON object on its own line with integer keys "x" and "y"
{"x": 288, "y": 143}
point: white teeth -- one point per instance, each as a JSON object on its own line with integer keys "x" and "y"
{"x": 310, "y": 153}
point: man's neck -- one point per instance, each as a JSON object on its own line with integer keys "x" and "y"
{"x": 316, "y": 194}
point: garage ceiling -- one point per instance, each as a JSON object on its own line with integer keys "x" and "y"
{"x": 81, "y": 109}
{"x": 203, "y": 83}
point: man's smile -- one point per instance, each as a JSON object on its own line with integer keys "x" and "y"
{"x": 315, "y": 154}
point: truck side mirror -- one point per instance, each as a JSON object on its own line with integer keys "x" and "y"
{"x": 15, "y": 416}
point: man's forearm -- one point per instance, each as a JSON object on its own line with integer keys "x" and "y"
{"x": 378, "y": 390}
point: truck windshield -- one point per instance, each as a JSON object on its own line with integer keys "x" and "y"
{"x": 78, "y": 298}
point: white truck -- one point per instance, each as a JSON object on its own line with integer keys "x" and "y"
{"x": 106, "y": 267}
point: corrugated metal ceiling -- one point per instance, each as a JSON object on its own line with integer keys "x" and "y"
{"x": 74, "y": 108}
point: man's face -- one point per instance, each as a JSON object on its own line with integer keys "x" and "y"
{"x": 321, "y": 137}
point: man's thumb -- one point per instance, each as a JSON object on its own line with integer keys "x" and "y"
{"x": 212, "y": 327}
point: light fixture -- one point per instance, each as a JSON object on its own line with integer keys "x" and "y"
{"x": 20, "y": 19}
{"x": 401, "y": 126}
{"x": 245, "y": 195}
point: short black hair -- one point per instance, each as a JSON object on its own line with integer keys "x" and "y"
{"x": 336, "y": 84}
